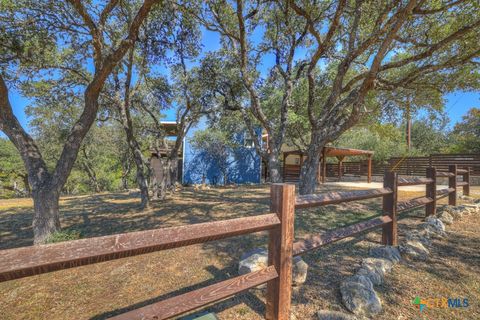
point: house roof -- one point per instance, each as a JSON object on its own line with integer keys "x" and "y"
{"x": 338, "y": 152}
{"x": 170, "y": 127}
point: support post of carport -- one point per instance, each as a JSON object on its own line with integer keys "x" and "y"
{"x": 319, "y": 170}
{"x": 301, "y": 162}
{"x": 369, "y": 172}
{"x": 324, "y": 165}
{"x": 340, "y": 169}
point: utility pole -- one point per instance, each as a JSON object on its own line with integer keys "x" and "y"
{"x": 409, "y": 125}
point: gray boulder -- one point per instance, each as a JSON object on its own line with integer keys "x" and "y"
{"x": 472, "y": 208}
{"x": 434, "y": 233}
{"x": 445, "y": 217}
{"x": 435, "y": 226}
{"x": 375, "y": 269}
{"x": 422, "y": 235}
{"x": 435, "y": 223}
{"x": 467, "y": 198}
{"x": 300, "y": 271}
{"x": 455, "y": 212}
{"x": 415, "y": 250}
{"x": 257, "y": 259}
{"x": 254, "y": 260}
{"x": 359, "y": 297}
{"x": 334, "y": 315}
{"x": 386, "y": 252}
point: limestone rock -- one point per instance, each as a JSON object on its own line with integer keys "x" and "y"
{"x": 434, "y": 233}
{"x": 254, "y": 260}
{"x": 257, "y": 259}
{"x": 359, "y": 297}
{"x": 386, "y": 252}
{"x": 455, "y": 212}
{"x": 445, "y": 217}
{"x": 422, "y": 235}
{"x": 375, "y": 269}
{"x": 473, "y": 207}
{"x": 299, "y": 272}
{"x": 334, "y": 315}
{"x": 467, "y": 198}
{"x": 435, "y": 226}
{"x": 448, "y": 208}
{"x": 415, "y": 250}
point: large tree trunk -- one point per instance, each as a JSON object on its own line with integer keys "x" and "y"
{"x": 138, "y": 159}
{"x": 46, "y": 218}
{"x": 88, "y": 167}
{"x": 309, "y": 170}
{"x": 163, "y": 180}
{"x": 28, "y": 191}
{"x": 125, "y": 173}
{"x": 173, "y": 170}
{"x": 131, "y": 139}
{"x": 274, "y": 169}
{"x": 142, "y": 180}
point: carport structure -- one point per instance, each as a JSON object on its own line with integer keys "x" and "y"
{"x": 339, "y": 153}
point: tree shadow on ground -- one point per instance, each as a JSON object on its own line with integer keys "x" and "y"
{"x": 108, "y": 214}
{"x": 247, "y": 298}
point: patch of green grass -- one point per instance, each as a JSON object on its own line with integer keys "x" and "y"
{"x": 63, "y": 235}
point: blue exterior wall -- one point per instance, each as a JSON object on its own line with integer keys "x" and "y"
{"x": 244, "y": 162}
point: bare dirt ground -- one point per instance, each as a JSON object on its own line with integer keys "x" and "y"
{"x": 102, "y": 290}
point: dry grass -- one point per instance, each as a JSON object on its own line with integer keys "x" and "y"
{"x": 101, "y": 290}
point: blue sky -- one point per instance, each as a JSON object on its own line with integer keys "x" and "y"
{"x": 457, "y": 103}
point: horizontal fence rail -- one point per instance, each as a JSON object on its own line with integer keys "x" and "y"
{"x": 317, "y": 241}
{"x": 413, "y": 181}
{"x": 194, "y": 299}
{"x": 29, "y": 261}
{"x": 443, "y": 193}
{"x": 445, "y": 174}
{"x": 390, "y": 205}
{"x": 413, "y": 204}
{"x": 315, "y": 200}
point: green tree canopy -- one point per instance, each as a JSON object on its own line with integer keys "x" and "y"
{"x": 466, "y": 134}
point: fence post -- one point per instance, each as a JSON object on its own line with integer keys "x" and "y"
{"x": 389, "y": 234}
{"x": 466, "y": 178}
{"x": 452, "y": 183}
{"x": 280, "y": 250}
{"x": 431, "y": 208}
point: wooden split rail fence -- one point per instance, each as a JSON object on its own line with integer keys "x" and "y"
{"x": 29, "y": 261}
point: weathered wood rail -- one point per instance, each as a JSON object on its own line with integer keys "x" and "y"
{"x": 29, "y": 261}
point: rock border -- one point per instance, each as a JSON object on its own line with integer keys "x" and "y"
{"x": 358, "y": 291}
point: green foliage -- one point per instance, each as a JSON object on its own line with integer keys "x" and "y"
{"x": 385, "y": 140}
{"x": 12, "y": 171}
{"x": 99, "y": 163}
{"x": 466, "y": 134}
{"x": 428, "y": 136}
{"x": 46, "y": 54}
{"x": 64, "y": 235}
